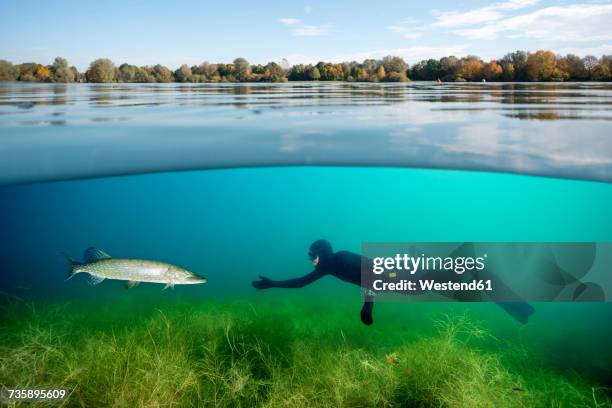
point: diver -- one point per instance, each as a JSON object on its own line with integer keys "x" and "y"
{"x": 346, "y": 266}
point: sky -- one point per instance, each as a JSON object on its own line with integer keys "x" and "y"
{"x": 190, "y": 32}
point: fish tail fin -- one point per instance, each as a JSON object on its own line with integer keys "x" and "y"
{"x": 73, "y": 264}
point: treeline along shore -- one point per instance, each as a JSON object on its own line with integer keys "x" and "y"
{"x": 516, "y": 66}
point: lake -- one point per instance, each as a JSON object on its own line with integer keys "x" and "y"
{"x": 266, "y": 170}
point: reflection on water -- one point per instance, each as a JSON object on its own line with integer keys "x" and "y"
{"x": 54, "y": 131}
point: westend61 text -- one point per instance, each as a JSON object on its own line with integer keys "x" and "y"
{"x": 405, "y": 285}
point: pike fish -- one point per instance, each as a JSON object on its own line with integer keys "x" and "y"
{"x": 100, "y": 266}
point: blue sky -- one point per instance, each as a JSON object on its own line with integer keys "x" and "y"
{"x": 172, "y": 33}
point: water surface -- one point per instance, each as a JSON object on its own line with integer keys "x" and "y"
{"x": 56, "y": 131}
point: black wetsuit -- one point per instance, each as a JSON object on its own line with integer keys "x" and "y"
{"x": 344, "y": 265}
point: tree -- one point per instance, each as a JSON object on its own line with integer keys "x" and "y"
{"x": 362, "y": 75}
{"x": 7, "y": 71}
{"x": 433, "y": 69}
{"x": 606, "y": 61}
{"x": 273, "y": 72}
{"x": 370, "y": 67}
{"x": 206, "y": 72}
{"x": 183, "y": 74}
{"x": 61, "y": 72}
{"x": 559, "y": 75}
{"x": 297, "y": 73}
{"x": 42, "y": 73}
{"x": 144, "y": 75}
{"x": 395, "y": 69}
{"x": 162, "y": 74}
{"x": 312, "y": 73}
{"x": 573, "y": 65}
{"x": 127, "y": 73}
{"x": 540, "y": 65}
{"x": 517, "y": 66}
{"x": 75, "y": 74}
{"x": 589, "y": 63}
{"x": 508, "y": 72}
{"x": 470, "y": 68}
{"x": 394, "y": 64}
{"x": 242, "y": 69}
{"x": 330, "y": 72}
{"x": 26, "y": 72}
{"x": 514, "y": 65}
{"x": 101, "y": 70}
{"x": 601, "y": 72}
{"x": 492, "y": 71}
{"x": 380, "y": 74}
{"x": 396, "y": 77}
{"x": 449, "y": 67}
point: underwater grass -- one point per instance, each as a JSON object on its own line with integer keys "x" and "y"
{"x": 267, "y": 354}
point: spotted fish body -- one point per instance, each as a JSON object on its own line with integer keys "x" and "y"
{"x": 100, "y": 266}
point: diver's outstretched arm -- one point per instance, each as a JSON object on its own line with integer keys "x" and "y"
{"x": 266, "y": 283}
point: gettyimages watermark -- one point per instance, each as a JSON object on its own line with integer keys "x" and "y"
{"x": 481, "y": 272}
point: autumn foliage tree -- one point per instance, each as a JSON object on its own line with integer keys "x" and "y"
{"x": 61, "y": 72}
{"x": 101, "y": 70}
{"x": 541, "y": 65}
{"x": 515, "y": 66}
{"x": 8, "y": 72}
{"x": 492, "y": 71}
{"x": 470, "y": 68}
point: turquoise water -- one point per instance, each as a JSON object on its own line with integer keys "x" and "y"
{"x": 240, "y": 223}
{"x": 231, "y": 225}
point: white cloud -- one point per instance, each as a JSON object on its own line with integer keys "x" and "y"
{"x": 409, "y": 20}
{"x": 289, "y": 21}
{"x": 578, "y": 22}
{"x": 410, "y": 54}
{"x": 300, "y": 29}
{"x": 412, "y": 36}
{"x": 407, "y": 29}
{"x": 605, "y": 49}
{"x": 298, "y": 59}
{"x": 485, "y": 14}
{"x": 517, "y": 4}
{"x": 397, "y": 28}
{"x": 454, "y": 19}
{"x": 311, "y": 30}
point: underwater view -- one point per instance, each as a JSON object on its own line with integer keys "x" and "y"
{"x": 226, "y": 186}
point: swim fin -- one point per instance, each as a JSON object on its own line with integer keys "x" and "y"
{"x": 519, "y": 310}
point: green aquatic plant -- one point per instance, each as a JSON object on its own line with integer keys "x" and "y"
{"x": 268, "y": 354}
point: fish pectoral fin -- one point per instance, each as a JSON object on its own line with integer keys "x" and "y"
{"x": 168, "y": 285}
{"x": 94, "y": 280}
{"x": 131, "y": 284}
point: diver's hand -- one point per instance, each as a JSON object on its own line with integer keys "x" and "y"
{"x": 366, "y": 313}
{"x": 262, "y": 283}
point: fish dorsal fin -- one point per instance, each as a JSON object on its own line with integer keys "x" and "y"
{"x": 93, "y": 254}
